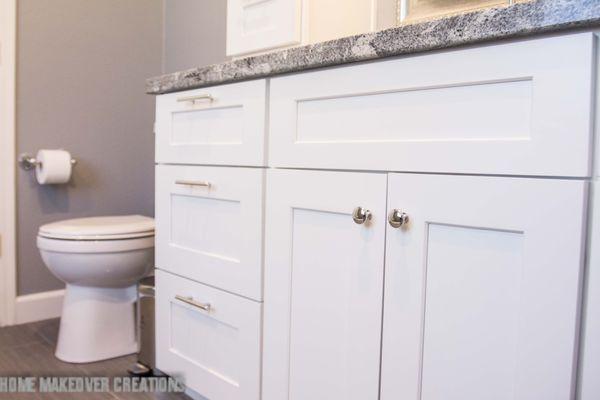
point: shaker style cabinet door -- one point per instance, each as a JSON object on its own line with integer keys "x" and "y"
{"x": 323, "y": 285}
{"x": 258, "y": 25}
{"x": 482, "y": 288}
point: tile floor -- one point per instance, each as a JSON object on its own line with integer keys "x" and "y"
{"x": 28, "y": 350}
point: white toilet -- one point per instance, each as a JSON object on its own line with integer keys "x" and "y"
{"x": 101, "y": 259}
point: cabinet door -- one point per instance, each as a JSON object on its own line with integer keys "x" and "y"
{"x": 258, "y": 25}
{"x": 323, "y": 286}
{"x": 482, "y": 288}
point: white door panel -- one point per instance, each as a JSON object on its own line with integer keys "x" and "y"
{"x": 323, "y": 286}
{"x": 220, "y": 125}
{"x": 482, "y": 288}
{"x": 258, "y": 25}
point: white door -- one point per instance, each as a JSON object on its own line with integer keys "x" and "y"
{"x": 323, "y": 285}
{"x": 259, "y": 25}
{"x": 482, "y": 288}
{"x": 7, "y": 161}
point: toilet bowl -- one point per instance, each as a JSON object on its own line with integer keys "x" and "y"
{"x": 100, "y": 259}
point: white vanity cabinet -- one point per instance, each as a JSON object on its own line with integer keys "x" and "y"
{"x": 482, "y": 286}
{"x": 412, "y": 228}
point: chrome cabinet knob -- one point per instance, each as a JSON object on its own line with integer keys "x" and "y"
{"x": 397, "y": 218}
{"x": 361, "y": 215}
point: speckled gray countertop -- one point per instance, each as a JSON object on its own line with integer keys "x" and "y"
{"x": 518, "y": 20}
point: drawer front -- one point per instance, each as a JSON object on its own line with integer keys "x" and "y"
{"x": 209, "y": 225}
{"x": 215, "y": 350}
{"x": 505, "y": 109}
{"x": 216, "y": 125}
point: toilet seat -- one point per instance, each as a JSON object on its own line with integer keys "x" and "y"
{"x": 108, "y": 228}
{"x": 94, "y": 246}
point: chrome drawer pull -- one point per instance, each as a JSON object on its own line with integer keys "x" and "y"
{"x": 193, "y": 183}
{"x": 194, "y": 99}
{"x": 192, "y": 302}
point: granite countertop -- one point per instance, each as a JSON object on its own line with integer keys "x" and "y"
{"x": 518, "y": 20}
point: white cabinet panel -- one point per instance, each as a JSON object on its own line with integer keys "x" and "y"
{"x": 505, "y": 109}
{"x": 323, "y": 286}
{"x": 589, "y": 384}
{"x": 222, "y": 125}
{"x": 210, "y": 225}
{"x": 258, "y": 25}
{"x": 399, "y": 116}
{"x": 482, "y": 288}
{"x": 216, "y": 351}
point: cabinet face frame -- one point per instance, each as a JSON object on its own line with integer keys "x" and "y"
{"x": 545, "y": 290}
{"x": 302, "y": 208}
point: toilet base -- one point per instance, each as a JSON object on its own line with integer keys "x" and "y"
{"x": 97, "y": 324}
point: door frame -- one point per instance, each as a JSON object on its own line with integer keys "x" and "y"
{"x": 8, "y": 34}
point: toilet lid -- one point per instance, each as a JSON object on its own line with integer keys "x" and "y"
{"x": 100, "y": 228}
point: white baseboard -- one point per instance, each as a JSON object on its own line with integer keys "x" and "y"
{"x": 38, "y": 306}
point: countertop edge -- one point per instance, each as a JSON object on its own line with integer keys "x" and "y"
{"x": 518, "y": 20}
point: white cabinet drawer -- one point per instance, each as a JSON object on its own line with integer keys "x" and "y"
{"x": 215, "y": 125}
{"x": 521, "y": 108}
{"x": 209, "y": 225}
{"x": 216, "y": 351}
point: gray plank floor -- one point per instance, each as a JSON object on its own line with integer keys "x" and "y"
{"x": 28, "y": 350}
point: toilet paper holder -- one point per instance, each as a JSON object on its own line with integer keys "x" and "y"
{"x": 28, "y": 162}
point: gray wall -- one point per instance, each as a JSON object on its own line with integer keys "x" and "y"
{"x": 80, "y": 86}
{"x": 194, "y": 33}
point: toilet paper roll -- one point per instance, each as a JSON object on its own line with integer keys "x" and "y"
{"x": 54, "y": 166}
